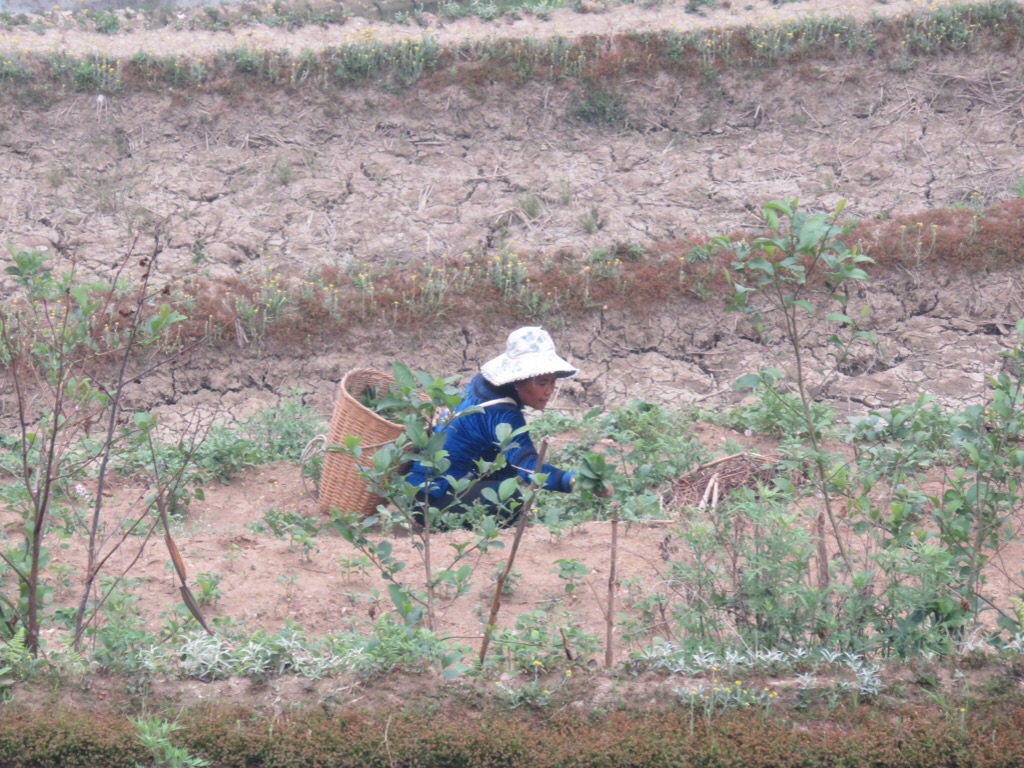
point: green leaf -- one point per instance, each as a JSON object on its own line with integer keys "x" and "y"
{"x": 838, "y": 317}
{"x": 749, "y": 381}
{"x": 145, "y": 421}
{"x": 507, "y": 488}
{"x": 814, "y": 232}
{"x": 596, "y": 463}
{"x": 454, "y": 672}
{"x": 404, "y": 377}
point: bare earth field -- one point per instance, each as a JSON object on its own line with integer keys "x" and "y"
{"x": 384, "y": 178}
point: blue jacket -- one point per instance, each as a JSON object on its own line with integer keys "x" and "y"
{"x": 473, "y": 437}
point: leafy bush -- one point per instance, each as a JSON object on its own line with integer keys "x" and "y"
{"x": 773, "y": 412}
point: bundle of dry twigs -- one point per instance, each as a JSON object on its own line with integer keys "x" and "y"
{"x": 711, "y": 482}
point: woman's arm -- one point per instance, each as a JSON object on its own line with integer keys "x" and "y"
{"x": 522, "y": 454}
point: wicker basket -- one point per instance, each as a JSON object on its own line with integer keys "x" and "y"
{"x": 341, "y": 485}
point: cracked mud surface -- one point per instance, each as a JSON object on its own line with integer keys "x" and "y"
{"x": 266, "y": 181}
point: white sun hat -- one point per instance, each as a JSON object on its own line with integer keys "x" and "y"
{"x": 529, "y": 352}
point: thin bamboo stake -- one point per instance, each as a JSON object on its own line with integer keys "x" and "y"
{"x": 609, "y": 623}
{"x": 500, "y": 583}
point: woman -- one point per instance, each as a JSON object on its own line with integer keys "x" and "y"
{"x": 524, "y": 375}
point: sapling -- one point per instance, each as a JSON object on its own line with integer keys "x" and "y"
{"x": 594, "y": 476}
{"x": 572, "y": 572}
{"x": 779, "y": 273}
{"x": 209, "y": 588}
{"x": 73, "y": 349}
{"x": 499, "y": 586}
{"x": 354, "y": 566}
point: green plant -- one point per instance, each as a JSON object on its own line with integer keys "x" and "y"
{"x": 591, "y": 220}
{"x": 395, "y": 644}
{"x": 96, "y": 73}
{"x": 300, "y": 530}
{"x": 648, "y": 612}
{"x": 198, "y": 251}
{"x": 897, "y": 442}
{"x": 773, "y": 412}
{"x": 13, "y": 653}
{"x": 599, "y": 106}
{"x": 716, "y": 697}
{"x": 485, "y": 11}
{"x": 982, "y": 494}
{"x": 13, "y": 69}
{"x": 922, "y": 587}
{"x": 277, "y": 433}
{"x": 657, "y": 444}
{"x": 540, "y": 642}
{"x": 107, "y": 22}
{"x": 290, "y": 581}
{"x": 247, "y": 60}
{"x": 223, "y": 454}
{"x": 283, "y": 172}
{"x": 117, "y": 633}
{"x": 284, "y": 429}
{"x": 507, "y": 273}
{"x": 594, "y": 475}
{"x": 209, "y": 588}
{"x": 59, "y": 346}
{"x": 155, "y": 734}
{"x": 529, "y": 204}
{"x": 916, "y": 247}
{"x": 694, "y": 6}
{"x": 508, "y": 585}
{"x": 354, "y": 566}
{"x": 742, "y": 571}
{"x": 291, "y": 651}
{"x": 536, "y": 694}
{"x": 572, "y": 572}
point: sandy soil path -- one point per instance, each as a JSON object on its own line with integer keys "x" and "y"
{"x": 61, "y": 33}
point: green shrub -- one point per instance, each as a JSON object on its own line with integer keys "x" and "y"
{"x": 598, "y": 105}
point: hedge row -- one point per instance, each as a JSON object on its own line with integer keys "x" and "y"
{"x": 232, "y": 737}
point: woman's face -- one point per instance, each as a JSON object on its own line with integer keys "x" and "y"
{"x": 537, "y": 391}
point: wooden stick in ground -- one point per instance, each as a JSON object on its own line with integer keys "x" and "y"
{"x": 609, "y": 616}
{"x": 500, "y": 583}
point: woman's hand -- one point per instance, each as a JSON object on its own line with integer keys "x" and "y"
{"x": 605, "y": 491}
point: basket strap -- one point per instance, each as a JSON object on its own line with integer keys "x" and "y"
{"x": 442, "y": 417}
{"x": 497, "y": 401}
{"x": 313, "y": 447}
{"x": 318, "y": 443}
